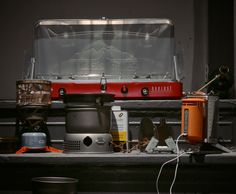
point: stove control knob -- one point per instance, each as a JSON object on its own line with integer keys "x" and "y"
{"x": 124, "y": 89}
{"x": 145, "y": 91}
{"x": 61, "y": 92}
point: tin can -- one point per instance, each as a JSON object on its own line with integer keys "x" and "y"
{"x": 33, "y": 93}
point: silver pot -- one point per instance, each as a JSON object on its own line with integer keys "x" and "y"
{"x": 86, "y": 113}
{"x": 54, "y": 185}
{"x": 88, "y": 120}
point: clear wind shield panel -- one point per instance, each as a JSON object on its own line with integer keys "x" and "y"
{"x": 119, "y": 49}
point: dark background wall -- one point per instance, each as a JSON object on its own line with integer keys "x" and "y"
{"x": 192, "y": 19}
{"x": 234, "y": 47}
{"x": 221, "y": 43}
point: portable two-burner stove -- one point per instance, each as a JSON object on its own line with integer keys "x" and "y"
{"x": 130, "y": 58}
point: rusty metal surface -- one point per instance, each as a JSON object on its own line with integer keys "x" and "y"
{"x": 33, "y": 92}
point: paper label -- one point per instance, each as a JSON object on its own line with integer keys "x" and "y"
{"x": 119, "y": 128}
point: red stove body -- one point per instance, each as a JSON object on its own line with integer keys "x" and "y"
{"x": 122, "y": 90}
{"x": 131, "y": 58}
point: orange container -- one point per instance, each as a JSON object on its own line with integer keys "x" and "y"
{"x": 193, "y": 118}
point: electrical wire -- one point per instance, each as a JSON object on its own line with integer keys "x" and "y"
{"x": 176, "y": 167}
{"x": 177, "y": 163}
{"x": 158, "y": 177}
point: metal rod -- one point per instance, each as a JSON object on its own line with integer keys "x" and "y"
{"x": 208, "y": 83}
{"x": 32, "y": 68}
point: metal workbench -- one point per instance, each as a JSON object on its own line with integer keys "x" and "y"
{"x": 123, "y": 172}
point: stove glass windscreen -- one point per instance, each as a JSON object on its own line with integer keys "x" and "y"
{"x": 119, "y": 49}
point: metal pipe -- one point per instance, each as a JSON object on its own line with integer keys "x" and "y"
{"x": 208, "y": 83}
{"x": 62, "y": 123}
